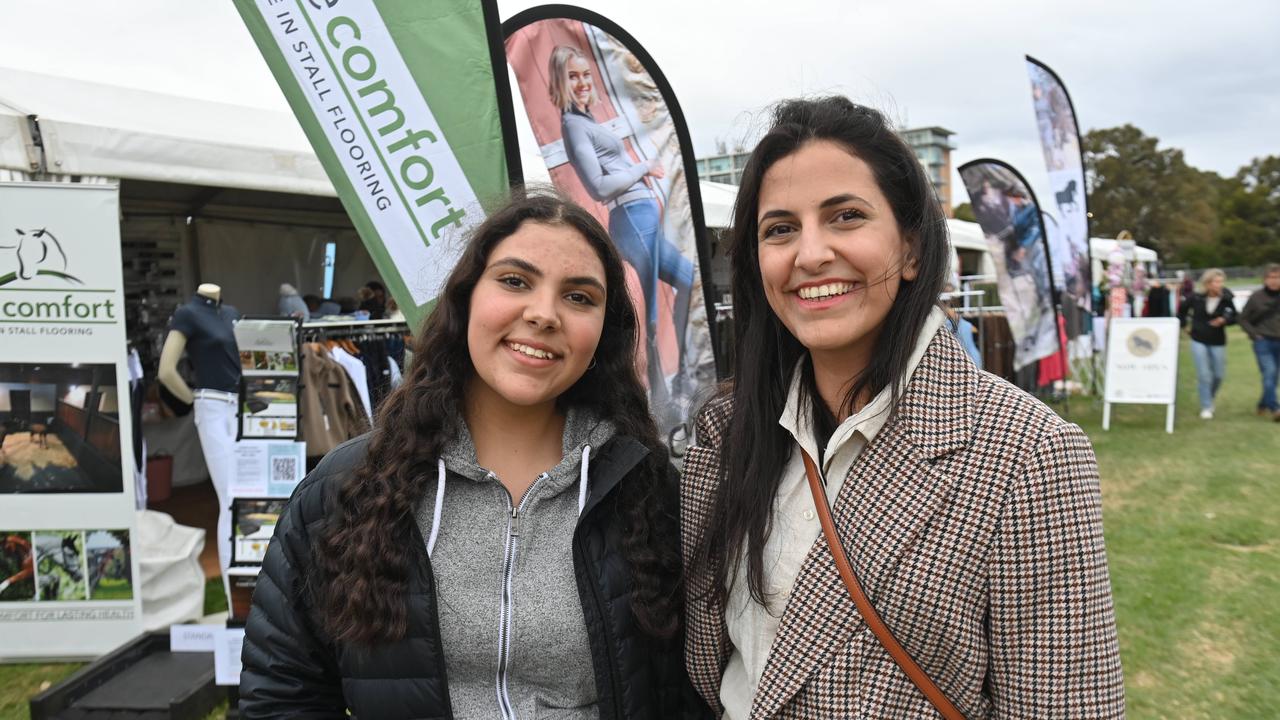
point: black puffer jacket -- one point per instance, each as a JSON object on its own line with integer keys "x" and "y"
{"x": 1196, "y": 309}
{"x": 292, "y": 670}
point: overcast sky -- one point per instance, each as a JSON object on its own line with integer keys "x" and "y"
{"x": 1204, "y": 77}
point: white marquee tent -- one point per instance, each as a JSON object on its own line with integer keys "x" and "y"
{"x": 222, "y": 193}
{"x": 89, "y": 129}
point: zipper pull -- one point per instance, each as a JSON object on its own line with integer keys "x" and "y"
{"x": 515, "y": 522}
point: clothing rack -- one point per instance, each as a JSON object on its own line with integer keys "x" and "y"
{"x": 369, "y": 335}
{"x": 353, "y": 329}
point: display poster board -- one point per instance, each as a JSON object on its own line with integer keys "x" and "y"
{"x": 67, "y": 570}
{"x": 268, "y": 378}
{"x": 269, "y": 461}
{"x": 1142, "y": 364}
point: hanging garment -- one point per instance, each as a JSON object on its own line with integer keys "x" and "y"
{"x": 373, "y": 353}
{"x": 396, "y": 348}
{"x": 1158, "y": 304}
{"x": 1054, "y": 367}
{"x": 396, "y": 377}
{"x": 997, "y": 345}
{"x": 356, "y": 371}
{"x": 328, "y": 407}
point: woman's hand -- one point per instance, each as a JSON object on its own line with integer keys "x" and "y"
{"x": 656, "y": 169}
{"x": 1218, "y": 322}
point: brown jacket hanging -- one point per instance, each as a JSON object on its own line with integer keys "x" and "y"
{"x": 330, "y": 411}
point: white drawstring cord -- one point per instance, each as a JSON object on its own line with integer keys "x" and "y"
{"x": 435, "y": 517}
{"x": 582, "y": 482}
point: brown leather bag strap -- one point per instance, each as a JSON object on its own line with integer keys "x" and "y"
{"x": 899, "y": 654}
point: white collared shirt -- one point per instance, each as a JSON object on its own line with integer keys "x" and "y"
{"x": 752, "y": 628}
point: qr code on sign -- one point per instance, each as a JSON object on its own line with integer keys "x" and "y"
{"x": 284, "y": 469}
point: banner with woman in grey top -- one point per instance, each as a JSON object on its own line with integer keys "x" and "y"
{"x": 610, "y": 132}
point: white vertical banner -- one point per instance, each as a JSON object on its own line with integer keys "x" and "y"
{"x": 1063, "y": 158}
{"x": 68, "y": 573}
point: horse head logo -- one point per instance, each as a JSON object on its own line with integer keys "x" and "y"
{"x": 38, "y": 252}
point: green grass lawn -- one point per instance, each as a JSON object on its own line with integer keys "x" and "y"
{"x": 1244, "y": 282}
{"x": 1193, "y": 537}
{"x": 1192, "y": 524}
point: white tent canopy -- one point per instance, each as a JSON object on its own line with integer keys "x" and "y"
{"x": 717, "y": 203}
{"x": 93, "y": 129}
{"x": 966, "y": 235}
{"x": 1101, "y": 248}
{"x": 13, "y": 139}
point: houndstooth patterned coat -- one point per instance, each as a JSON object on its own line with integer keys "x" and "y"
{"x": 974, "y": 522}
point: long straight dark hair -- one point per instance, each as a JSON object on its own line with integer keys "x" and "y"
{"x": 363, "y": 554}
{"x": 755, "y": 448}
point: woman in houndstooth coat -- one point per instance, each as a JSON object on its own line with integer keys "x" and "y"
{"x": 970, "y": 512}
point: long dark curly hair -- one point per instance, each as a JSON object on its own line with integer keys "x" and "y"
{"x": 364, "y": 554}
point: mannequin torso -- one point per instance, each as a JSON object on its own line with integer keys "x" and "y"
{"x": 204, "y": 328}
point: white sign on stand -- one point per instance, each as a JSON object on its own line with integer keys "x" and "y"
{"x": 1142, "y": 365}
{"x": 193, "y": 637}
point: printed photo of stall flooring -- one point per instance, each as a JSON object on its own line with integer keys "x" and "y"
{"x": 30, "y": 464}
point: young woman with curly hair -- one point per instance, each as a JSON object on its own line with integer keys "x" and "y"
{"x": 504, "y": 544}
{"x": 970, "y": 512}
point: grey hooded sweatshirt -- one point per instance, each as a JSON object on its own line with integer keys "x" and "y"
{"x": 514, "y": 636}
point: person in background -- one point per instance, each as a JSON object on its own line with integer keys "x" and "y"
{"x": 1260, "y": 320}
{"x": 966, "y": 333}
{"x": 373, "y": 298}
{"x": 964, "y": 330}
{"x": 1158, "y": 297}
{"x": 365, "y": 304}
{"x": 393, "y": 310}
{"x": 1186, "y": 287}
{"x": 1208, "y": 312}
{"x": 321, "y": 307}
{"x": 291, "y": 304}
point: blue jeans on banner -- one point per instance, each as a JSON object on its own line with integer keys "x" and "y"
{"x": 636, "y": 228}
{"x": 1267, "y": 351}
{"x": 1211, "y": 368}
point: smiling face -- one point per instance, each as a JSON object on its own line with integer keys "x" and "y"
{"x": 579, "y": 81}
{"x": 536, "y": 314}
{"x": 831, "y": 254}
